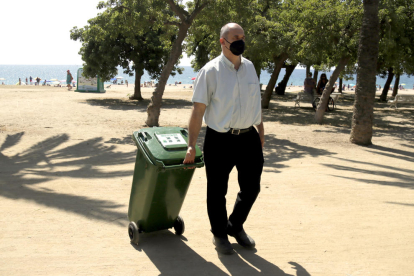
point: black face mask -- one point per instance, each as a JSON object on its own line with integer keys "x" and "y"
{"x": 236, "y": 47}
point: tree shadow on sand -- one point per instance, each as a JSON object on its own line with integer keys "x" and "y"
{"x": 278, "y": 150}
{"x": 387, "y": 121}
{"x": 43, "y": 162}
{"x": 396, "y": 177}
{"x": 172, "y": 256}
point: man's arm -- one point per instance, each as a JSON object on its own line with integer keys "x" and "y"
{"x": 194, "y": 126}
{"x": 260, "y": 129}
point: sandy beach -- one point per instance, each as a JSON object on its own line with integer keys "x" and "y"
{"x": 326, "y": 207}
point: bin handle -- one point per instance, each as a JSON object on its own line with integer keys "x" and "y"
{"x": 184, "y": 132}
{"x": 183, "y": 166}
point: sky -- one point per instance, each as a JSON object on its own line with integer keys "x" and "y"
{"x": 38, "y": 32}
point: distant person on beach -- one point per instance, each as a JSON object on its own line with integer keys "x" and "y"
{"x": 309, "y": 87}
{"x": 38, "y": 80}
{"x": 126, "y": 82}
{"x": 231, "y": 138}
{"x": 69, "y": 79}
{"x": 27, "y": 82}
{"x": 31, "y": 79}
{"x": 20, "y": 81}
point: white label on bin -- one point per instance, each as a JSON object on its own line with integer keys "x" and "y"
{"x": 171, "y": 140}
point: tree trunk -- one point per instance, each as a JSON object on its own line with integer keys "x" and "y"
{"x": 340, "y": 85}
{"x": 315, "y": 75}
{"x": 396, "y": 85}
{"x": 307, "y": 71}
{"x": 137, "y": 89}
{"x": 279, "y": 60}
{"x": 323, "y": 103}
{"x": 281, "y": 87}
{"x": 363, "y": 111}
{"x": 384, "y": 93}
{"x": 154, "y": 108}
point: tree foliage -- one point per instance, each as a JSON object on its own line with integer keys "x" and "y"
{"x": 108, "y": 42}
{"x": 396, "y": 48}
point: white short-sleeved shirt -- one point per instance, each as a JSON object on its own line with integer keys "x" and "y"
{"x": 232, "y": 96}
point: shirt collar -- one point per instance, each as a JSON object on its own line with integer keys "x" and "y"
{"x": 228, "y": 62}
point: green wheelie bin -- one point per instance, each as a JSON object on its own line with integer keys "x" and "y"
{"x": 160, "y": 181}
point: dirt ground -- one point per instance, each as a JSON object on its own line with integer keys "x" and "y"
{"x": 326, "y": 207}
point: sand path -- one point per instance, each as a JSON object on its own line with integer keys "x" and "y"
{"x": 327, "y": 207}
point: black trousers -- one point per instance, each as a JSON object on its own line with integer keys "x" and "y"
{"x": 223, "y": 151}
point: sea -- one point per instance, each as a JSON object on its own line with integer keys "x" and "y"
{"x": 10, "y": 74}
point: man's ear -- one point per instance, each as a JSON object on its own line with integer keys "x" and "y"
{"x": 222, "y": 41}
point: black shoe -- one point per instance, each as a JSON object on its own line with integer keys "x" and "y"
{"x": 223, "y": 245}
{"x": 243, "y": 239}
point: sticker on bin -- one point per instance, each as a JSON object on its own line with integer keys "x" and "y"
{"x": 172, "y": 141}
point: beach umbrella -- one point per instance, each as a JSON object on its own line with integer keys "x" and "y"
{"x": 119, "y": 77}
{"x": 193, "y": 78}
{"x": 53, "y": 80}
{"x": 1, "y": 79}
{"x": 113, "y": 79}
{"x": 403, "y": 84}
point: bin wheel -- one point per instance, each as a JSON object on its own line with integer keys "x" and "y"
{"x": 179, "y": 226}
{"x": 133, "y": 232}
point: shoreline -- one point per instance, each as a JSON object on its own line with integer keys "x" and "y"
{"x": 182, "y": 87}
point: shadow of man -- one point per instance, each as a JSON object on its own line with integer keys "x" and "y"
{"x": 171, "y": 255}
{"x": 247, "y": 262}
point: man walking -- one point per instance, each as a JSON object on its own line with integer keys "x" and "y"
{"x": 69, "y": 79}
{"x": 227, "y": 94}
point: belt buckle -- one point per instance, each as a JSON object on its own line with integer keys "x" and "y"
{"x": 235, "y": 133}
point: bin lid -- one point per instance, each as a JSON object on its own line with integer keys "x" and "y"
{"x": 165, "y": 144}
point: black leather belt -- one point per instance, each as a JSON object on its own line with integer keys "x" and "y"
{"x": 237, "y": 131}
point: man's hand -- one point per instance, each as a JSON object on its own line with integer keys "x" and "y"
{"x": 194, "y": 126}
{"x": 190, "y": 156}
{"x": 262, "y": 138}
{"x": 260, "y": 129}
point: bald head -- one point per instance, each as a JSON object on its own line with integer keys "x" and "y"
{"x": 225, "y": 30}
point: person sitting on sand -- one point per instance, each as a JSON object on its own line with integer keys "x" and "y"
{"x": 69, "y": 79}
{"x": 321, "y": 84}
